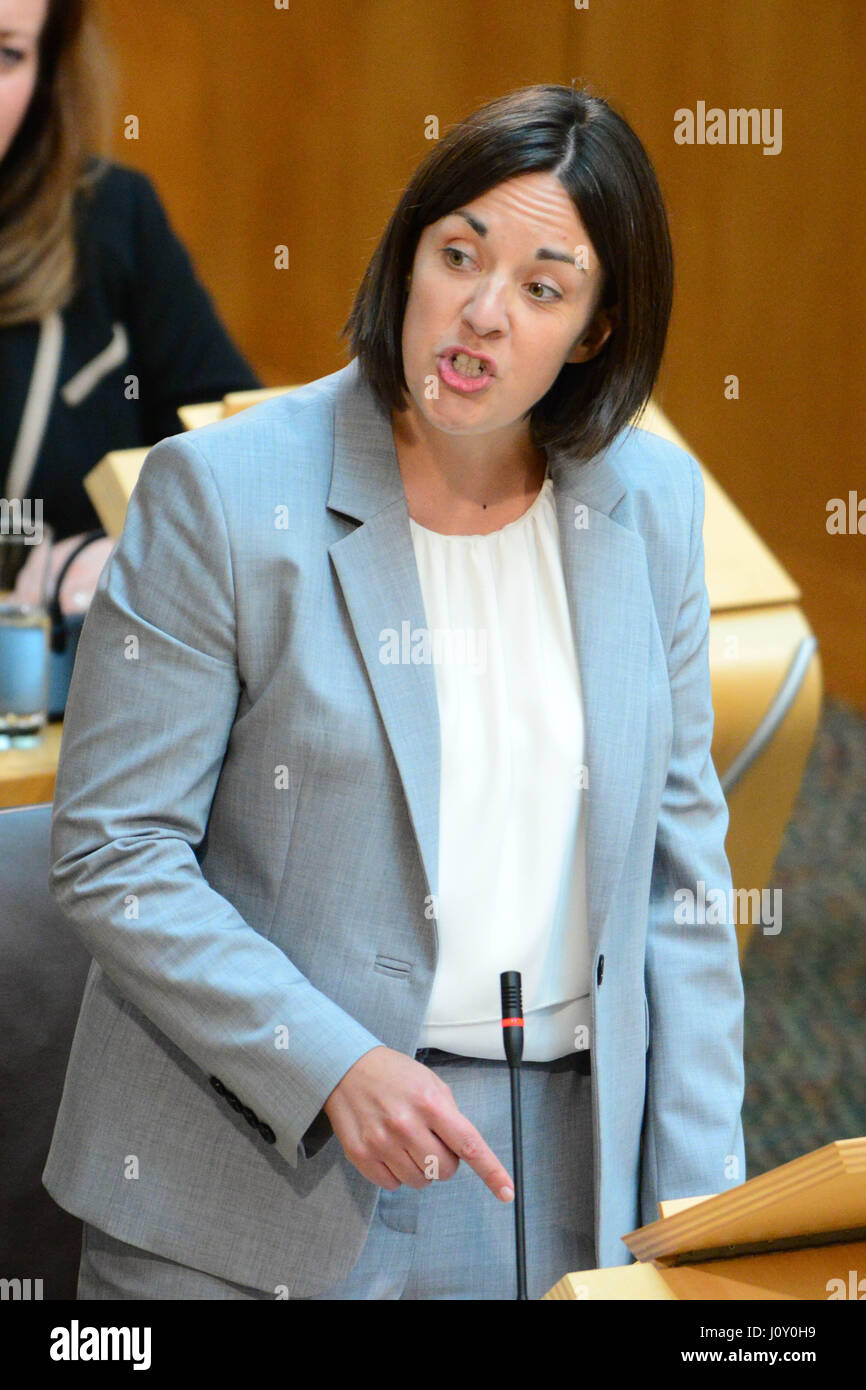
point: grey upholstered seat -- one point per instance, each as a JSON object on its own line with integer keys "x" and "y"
{"x": 43, "y": 968}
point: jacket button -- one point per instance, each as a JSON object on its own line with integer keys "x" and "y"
{"x": 218, "y": 1085}
{"x": 233, "y": 1101}
{"x": 266, "y": 1132}
{"x": 250, "y": 1115}
{"x": 599, "y": 974}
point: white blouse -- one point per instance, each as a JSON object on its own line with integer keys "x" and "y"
{"x": 512, "y": 821}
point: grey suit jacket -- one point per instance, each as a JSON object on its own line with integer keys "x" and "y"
{"x": 245, "y": 837}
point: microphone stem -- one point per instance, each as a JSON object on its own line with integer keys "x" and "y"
{"x": 517, "y": 1154}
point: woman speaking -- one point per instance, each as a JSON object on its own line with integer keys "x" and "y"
{"x": 392, "y": 684}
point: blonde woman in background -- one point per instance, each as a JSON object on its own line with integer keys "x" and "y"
{"x": 95, "y": 287}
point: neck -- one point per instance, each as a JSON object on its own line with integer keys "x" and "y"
{"x": 468, "y": 471}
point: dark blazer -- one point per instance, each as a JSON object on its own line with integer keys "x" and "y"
{"x": 140, "y": 310}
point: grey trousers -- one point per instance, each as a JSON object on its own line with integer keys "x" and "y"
{"x": 452, "y": 1240}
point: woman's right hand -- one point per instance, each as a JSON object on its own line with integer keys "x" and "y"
{"x": 397, "y": 1123}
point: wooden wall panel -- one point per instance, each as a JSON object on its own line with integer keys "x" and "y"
{"x": 263, "y": 126}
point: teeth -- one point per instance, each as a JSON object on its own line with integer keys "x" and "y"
{"x": 469, "y": 366}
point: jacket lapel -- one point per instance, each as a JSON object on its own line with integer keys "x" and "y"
{"x": 605, "y": 571}
{"x": 606, "y": 580}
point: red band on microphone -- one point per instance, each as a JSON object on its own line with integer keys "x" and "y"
{"x": 512, "y": 1023}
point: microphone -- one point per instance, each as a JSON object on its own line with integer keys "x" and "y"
{"x": 512, "y": 1040}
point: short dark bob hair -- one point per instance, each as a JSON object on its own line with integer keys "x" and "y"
{"x": 604, "y": 168}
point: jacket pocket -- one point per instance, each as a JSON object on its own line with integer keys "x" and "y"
{"x": 389, "y": 965}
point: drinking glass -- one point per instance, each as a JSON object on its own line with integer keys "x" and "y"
{"x": 25, "y": 633}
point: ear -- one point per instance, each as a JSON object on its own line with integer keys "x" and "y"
{"x": 596, "y": 335}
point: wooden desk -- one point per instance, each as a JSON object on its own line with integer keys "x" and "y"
{"x": 27, "y": 774}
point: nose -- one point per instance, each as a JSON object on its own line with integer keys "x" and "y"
{"x": 487, "y": 311}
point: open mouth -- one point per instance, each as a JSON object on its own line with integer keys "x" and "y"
{"x": 467, "y": 365}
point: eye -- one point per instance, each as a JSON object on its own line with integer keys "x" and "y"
{"x": 457, "y": 252}
{"x": 13, "y": 54}
{"x": 541, "y": 285}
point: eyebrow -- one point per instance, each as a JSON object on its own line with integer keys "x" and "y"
{"x": 544, "y": 253}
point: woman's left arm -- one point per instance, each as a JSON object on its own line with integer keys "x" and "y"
{"x": 692, "y": 1136}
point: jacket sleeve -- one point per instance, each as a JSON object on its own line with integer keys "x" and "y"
{"x": 182, "y": 351}
{"x": 693, "y": 1137}
{"x": 151, "y": 706}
